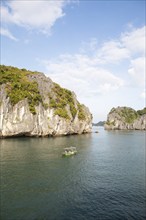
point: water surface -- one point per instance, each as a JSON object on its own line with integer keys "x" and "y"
{"x": 104, "y": 181}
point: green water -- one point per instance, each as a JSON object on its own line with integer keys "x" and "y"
{"x": 105, "y": 180}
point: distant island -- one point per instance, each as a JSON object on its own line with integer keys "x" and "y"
{"x": 100, "y": 123}
{"x": 31, "y": 104}
{"x": 126, "y": 118}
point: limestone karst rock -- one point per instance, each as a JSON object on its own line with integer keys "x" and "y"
{"x": 31, "y": 104}
{"x": 125, "y": 118}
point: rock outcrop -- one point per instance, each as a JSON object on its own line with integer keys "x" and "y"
{"x": 125, "y": 118}
{"x": 100, "y": 123}
{"x": 31, "y": 104}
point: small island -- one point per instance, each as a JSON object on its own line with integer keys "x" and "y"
{"x": 100, "y": 123}
{"x": 31, "y": 104}
{"x": 126, "y": 118}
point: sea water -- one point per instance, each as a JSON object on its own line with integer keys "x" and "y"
{"x": 104, "y": 181}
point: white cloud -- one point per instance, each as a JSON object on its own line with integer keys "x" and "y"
{"x": 129, "y": 44}
{"x": 87, "y": 72}
{"x": 78, "y": 73}
{"x": 134, "y": 41}
{"x": 143, "y": 95}
{"x": 5, "y": 14}
{"x": 39, "y": 15}
{"x": 137, "y": 71}
{"x": 8, "y": 34}
{"x": 113, "y": 52}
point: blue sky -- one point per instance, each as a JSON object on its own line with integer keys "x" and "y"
{"x": 95, "y": 48}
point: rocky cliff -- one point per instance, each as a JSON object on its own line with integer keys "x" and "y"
{"x": 31, "y": 104}
{"x": 124, "y": 118}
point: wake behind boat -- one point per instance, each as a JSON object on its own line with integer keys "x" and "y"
{"x": 69, "y": 151}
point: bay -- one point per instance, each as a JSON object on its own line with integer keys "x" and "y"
{"x": 105, "y": 180}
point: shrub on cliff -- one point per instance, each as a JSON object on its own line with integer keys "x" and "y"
{"x": 62, "y": 98}
{"x": 19, "y": 87}
{"x": 129, "y": 114}
{"x": 141, "y": 112}
{"x": 20, "y": 84}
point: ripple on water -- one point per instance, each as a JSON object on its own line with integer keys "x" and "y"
{"x": 104, "y": 181}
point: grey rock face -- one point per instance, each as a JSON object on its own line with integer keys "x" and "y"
{"x": 17, "y": 120}
{"x": 124, "y": 118}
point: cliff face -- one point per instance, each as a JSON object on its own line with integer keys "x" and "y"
{"x": 31, "y": 104}
{"x": 124, "y": 118}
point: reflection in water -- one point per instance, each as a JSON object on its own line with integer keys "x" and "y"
{"x": 105, "y": 180}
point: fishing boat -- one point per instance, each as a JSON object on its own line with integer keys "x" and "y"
{"x": 69, "y": 151}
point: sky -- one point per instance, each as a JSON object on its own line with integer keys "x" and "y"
{"x": 94, "y": 48}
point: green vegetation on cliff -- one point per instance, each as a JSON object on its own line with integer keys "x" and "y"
{"x": 142, "y": 112}
{"x": 64, "y": 97}
{"x": 19, "y": 87}
{"x": 126, "y": 118}
{"x": 81, "y": 114}
{"x": 61, "y": 98}
{"x": 110, "y": 123}
{"x": 128, "y": 114}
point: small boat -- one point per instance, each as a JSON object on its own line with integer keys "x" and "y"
{"x": 69, "y": 151}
